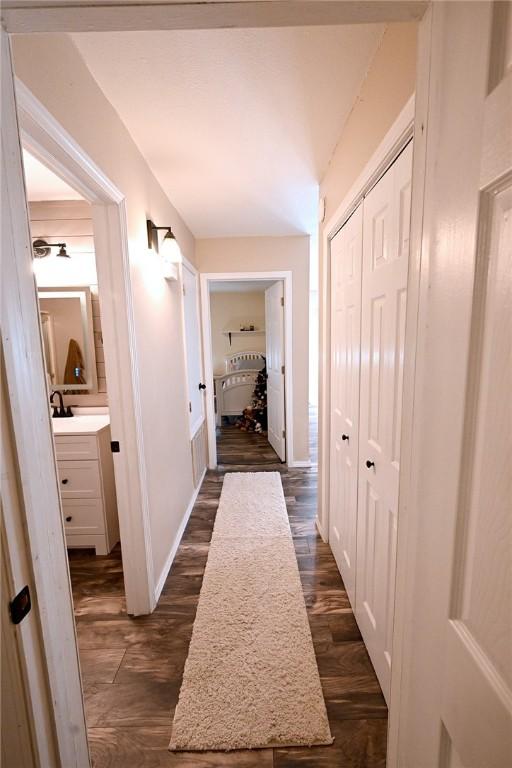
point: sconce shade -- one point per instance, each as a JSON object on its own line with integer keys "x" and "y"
{"x": 168, "y": 250}
{"x": 63, "y": 252}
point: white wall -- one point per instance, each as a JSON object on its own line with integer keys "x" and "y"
{"x": 389, "y": 84}
{"x": 257, "y": 254}
{"x": 52, "y": 69}
{"x": 70, "y": 221}
{"x": 225, "y": 310}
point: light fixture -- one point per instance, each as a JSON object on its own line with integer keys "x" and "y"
{"x": 169, "y": 249}
{"x": 41, "y": 249}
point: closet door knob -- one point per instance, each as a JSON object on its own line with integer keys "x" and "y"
{"x": 202, "y": 386}
{"x": 64, "y": 481}
{"x": 370, "y": 464}
{"x": 344, "y": 437}
{"x": 69, "y": 518}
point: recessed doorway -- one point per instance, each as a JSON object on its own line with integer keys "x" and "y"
{"x": 246, "y": 357}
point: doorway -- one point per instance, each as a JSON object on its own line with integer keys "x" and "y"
{"x": 247, "y": 349}
{"x": 76, "y": 371}
{"x": 55, "y": 153}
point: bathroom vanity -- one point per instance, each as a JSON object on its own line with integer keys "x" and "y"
{"x": 86, "y": 480}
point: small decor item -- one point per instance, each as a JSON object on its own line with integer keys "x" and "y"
{"x": 254, "y": 417}
{"x": 74, "y": 370}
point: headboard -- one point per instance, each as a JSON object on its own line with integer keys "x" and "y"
{"x": 243, "y": 361}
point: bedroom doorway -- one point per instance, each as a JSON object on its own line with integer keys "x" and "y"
{"x": 245, "y": 341}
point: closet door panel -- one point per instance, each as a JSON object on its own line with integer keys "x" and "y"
{"x": 346, "y": 254}
{"x": 384, "y": 281}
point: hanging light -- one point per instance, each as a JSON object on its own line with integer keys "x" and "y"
{"x": 169, "y": 250}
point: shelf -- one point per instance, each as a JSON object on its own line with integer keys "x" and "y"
{"x": 244, "y": 333}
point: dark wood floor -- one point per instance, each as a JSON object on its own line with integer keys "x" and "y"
{"x": 237, "y": 447}
{"x": 132, "y": 668}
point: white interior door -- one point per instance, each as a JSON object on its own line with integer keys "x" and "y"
{"x": 274, "y": 332}
{"x": 32, "y": 442}
{"x": 477, "y": 679}
{"x": 193, "y": 348}
{"x": 25, "y": 704}
{"x": 385, "y": 266}
{"x": 470, "y": 335}
{"x": 455, "y": 682}
{"x": 346, "y": 257}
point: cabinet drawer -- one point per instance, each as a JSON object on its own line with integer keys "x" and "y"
{"x": 76, "y": 447}
{"x": 79, "y": 479}
{"x": 83, "y": 516}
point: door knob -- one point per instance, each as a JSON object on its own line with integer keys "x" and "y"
{"x": 202, "y": 386}
{"x": 69, "y": 518}
{"x": 344, "y": 437}
{"x": 64, "y": 481}
{"x": 370, "y": 464}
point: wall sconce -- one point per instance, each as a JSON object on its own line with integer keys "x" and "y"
{"x": 41, "y": 249}
{"x": 168, "y": 250}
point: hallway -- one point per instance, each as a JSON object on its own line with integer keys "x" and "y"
{"x": 132, "y": 668}
{"x": 219, "y": 211}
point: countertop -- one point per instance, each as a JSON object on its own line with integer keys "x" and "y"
{"x": 81, "y": 425}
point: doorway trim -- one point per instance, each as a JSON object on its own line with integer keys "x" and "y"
{"x": 47, "y": 140}
{"x": 211, "y": 277}
{"x": 186, "y": 264}
{"x": 398, "y": 136}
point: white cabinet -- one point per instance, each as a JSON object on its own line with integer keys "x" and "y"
{"x": 368, "y": 301}
{"x": 86, "y": 482}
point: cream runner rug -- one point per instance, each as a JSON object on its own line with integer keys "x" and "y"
{"x": 251, "y": 678}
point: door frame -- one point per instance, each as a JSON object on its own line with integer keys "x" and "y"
{"x": 212, "y": 277}
{"x": 47, "y": 140}
{"x": 396, "y": 139}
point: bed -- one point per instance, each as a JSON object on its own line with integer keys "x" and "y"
{"x": 234, "y": 388}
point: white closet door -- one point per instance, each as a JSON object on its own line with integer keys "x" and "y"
{"x": 274, "y": 332}
{"x": 385, "y": 263}
{"x": 346, "y": 255}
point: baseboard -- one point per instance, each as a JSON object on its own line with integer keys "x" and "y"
{"x": 298, "y": 463}
{"x": 321, "y": 530}
{"x": 177, "y": 539}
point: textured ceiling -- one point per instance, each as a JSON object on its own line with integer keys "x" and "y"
{"x": 237, "y": 125}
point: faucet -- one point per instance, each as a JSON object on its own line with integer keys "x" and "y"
{"x": 62, "y": 412}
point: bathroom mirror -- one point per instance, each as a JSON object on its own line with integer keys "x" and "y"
{"x": 68, "y": 338}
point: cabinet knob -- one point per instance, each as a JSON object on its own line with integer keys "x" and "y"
{"x": 64, "y": 481}
{"x": 370, "y": 464}
{"x": 69, "y": 518}
{"x": 344, "y": 437}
